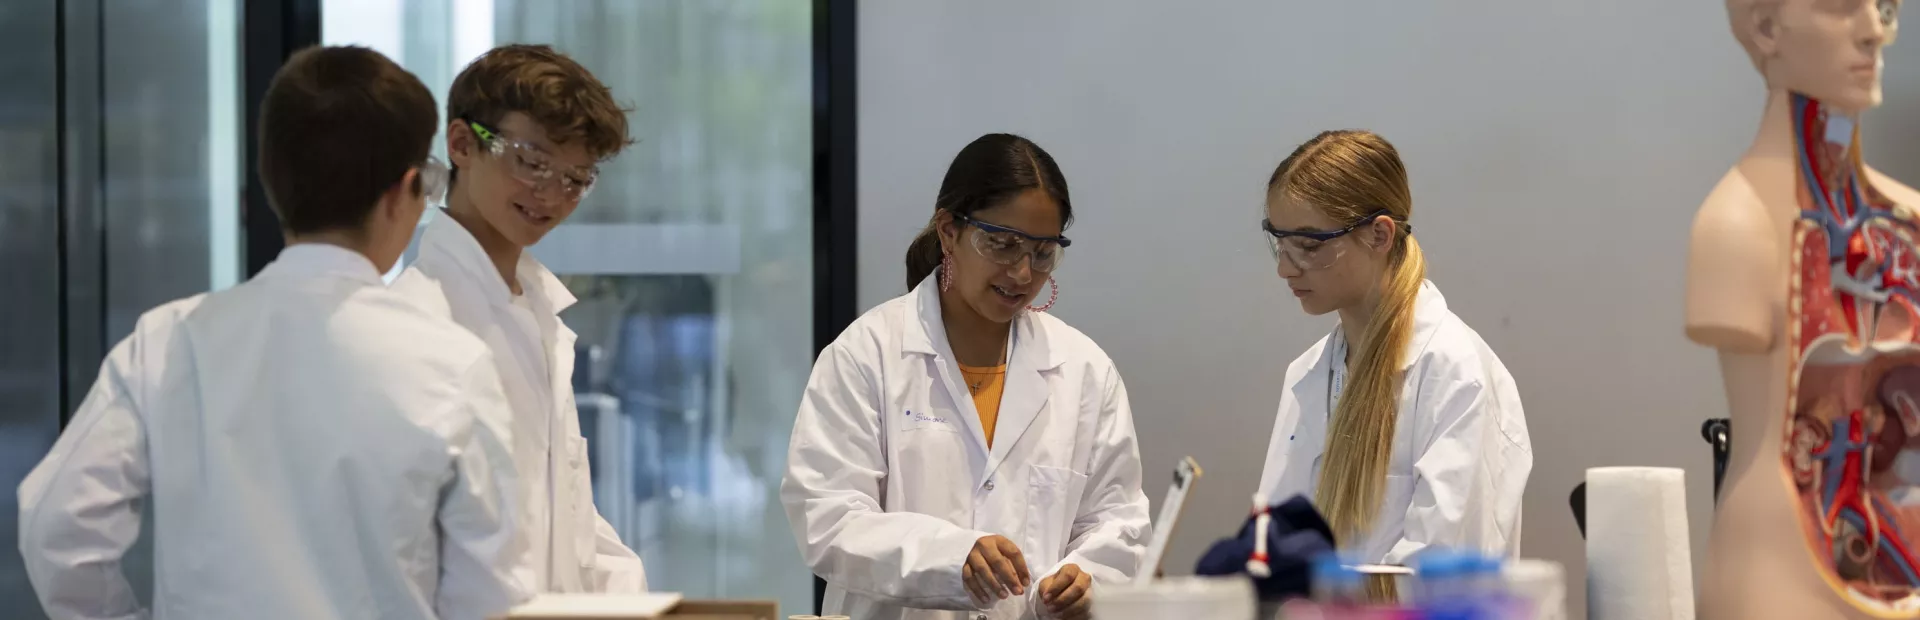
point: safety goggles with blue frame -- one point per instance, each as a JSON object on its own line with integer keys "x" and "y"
{"x": 1312, "y": 249}
{"x": 1007, "y": 246}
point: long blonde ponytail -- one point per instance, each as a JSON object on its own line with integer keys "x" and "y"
{"x": 1360, "y": 439}
{"x": 1350, "y": 174}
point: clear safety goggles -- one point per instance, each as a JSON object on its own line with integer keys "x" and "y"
{"x": 434, "y": 180}
{"x": 1312, "y": 249}
{"x": 534, "y": 167}
{"x": 1007, "y": 246}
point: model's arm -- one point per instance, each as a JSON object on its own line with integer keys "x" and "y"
{"x": 1733, "y": 271}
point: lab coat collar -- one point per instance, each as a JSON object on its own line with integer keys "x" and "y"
{"x": 322, "y": 259}
{"x": 1429, "y": 311}
{"x": 1025, "y": 393}
{"x": 927, "y": 334}
{"x": 919, "y": 334}
{"x": 1312, "y": 388}
{"x": 448, "y": 237}
{"x": 1308, "y": 430}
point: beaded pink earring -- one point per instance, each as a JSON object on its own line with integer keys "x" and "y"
{"x": 1052, "y": 297}
{"x": 946, "y": 271}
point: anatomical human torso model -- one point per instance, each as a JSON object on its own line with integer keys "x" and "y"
{"x": 1804, "y": 274}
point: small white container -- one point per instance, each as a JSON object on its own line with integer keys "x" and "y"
{"x": 1541, "y": 584}
{"x": 1177, "y": 598}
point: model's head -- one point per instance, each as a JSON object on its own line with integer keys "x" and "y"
{"x": 1825, "y": 49}
{"x": 1337, "y": 212}
{"x": 344, "y": 141}
{"x": 997, "y": 224}
{"x": 527, "y": 128}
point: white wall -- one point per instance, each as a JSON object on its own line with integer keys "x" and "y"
{"x": 1557, "y": 149}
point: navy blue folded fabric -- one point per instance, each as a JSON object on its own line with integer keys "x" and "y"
{"x": 1296, "y": 534}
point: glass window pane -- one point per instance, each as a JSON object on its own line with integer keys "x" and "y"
{"x": 152, "y": 128}
{"x": 692, "y": 260}
{"x": 171, "y": 153}
{"x": 29, "y": 265}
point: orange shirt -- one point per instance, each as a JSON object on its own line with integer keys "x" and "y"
{"x": 986, "y": 385}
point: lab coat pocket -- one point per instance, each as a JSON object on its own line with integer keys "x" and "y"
{"x": 579, "y": 481}
{"x": 1053, "y": 500}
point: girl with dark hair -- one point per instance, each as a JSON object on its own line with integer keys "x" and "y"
{"x": 957, "y": 448}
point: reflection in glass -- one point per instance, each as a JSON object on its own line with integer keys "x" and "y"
{"x": 692, "y": 259}
{"x": 29, "y": 267}
{"x": 159, "y": 147}
{"x": 152, "y": 129}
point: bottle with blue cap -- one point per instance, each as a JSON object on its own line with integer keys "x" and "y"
{"x": 1460, "y": 585}
{"x": 1439, "y": 577}
{"x": 1337, "y": 585}
{"x": 1485, "y": 581}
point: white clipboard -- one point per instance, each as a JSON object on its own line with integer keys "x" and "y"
{"x": 1184, "y": 476}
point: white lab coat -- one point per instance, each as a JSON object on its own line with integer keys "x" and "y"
{"x": 312, "y": 446}
{"x": 1460, "y": 449}
{"x": 890, "y": 482}
{"x": 574, "y": 549}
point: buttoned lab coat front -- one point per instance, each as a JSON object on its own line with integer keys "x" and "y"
{"x": 890, "y": 481}
{"x": 574, "y": 549}
{"x": 312, "y": 447}
{"x": 1461, "y": 454}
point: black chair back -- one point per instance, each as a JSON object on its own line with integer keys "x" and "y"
{"x": 1578, "y": 501}
{"x": 1719, "y": 435}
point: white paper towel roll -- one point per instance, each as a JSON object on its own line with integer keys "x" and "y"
{"x": 1639, "y": 562}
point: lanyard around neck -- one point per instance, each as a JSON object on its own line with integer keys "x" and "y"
{"x": 1337, "y": 373}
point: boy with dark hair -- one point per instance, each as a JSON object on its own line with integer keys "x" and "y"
{"x": 527, "y": 129}
{"x": 313, "y": 445}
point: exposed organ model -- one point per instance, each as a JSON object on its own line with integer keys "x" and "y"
{"x": 1801, "y": 276}
{"x": 1855, "y": 369}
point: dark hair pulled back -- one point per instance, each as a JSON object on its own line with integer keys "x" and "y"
{"x": 990, "y": 171}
